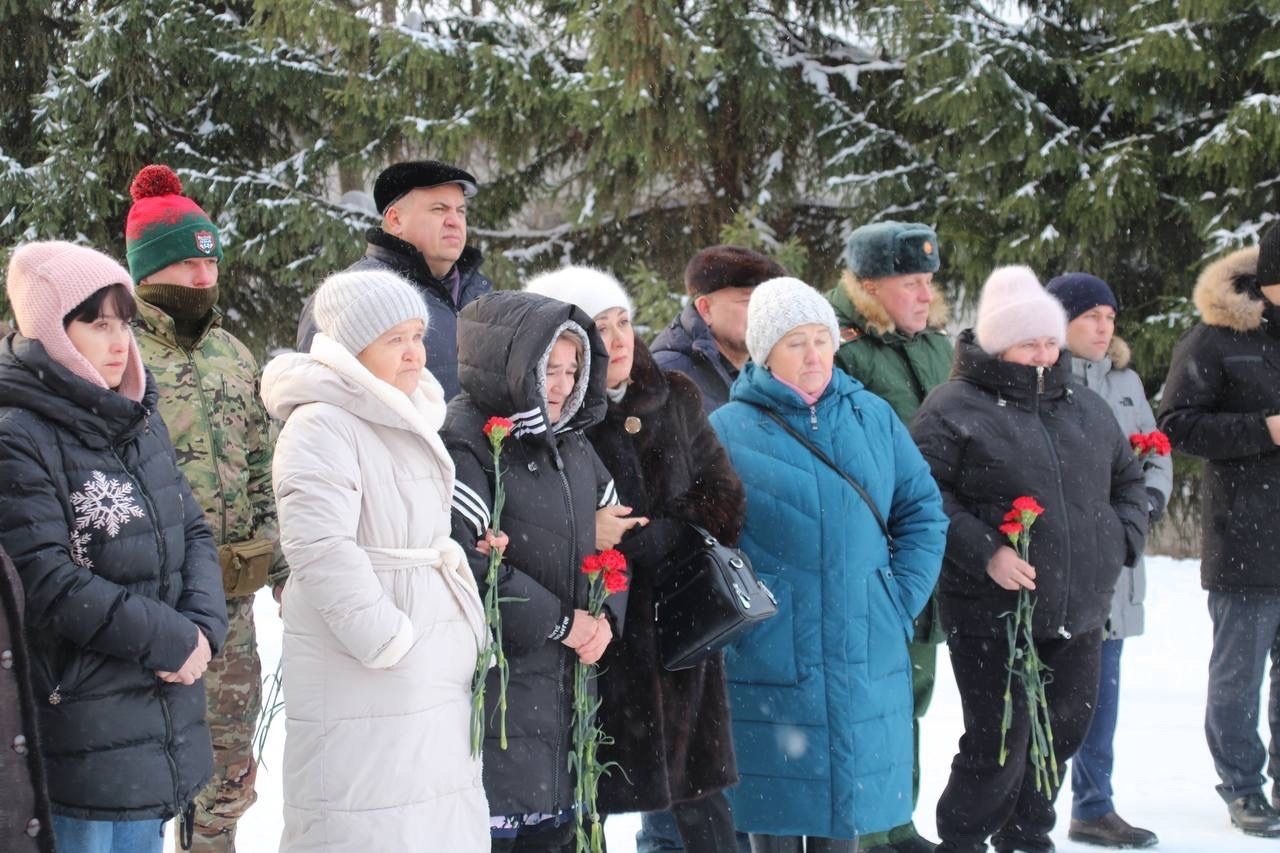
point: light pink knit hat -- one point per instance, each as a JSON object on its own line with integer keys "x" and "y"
{"x": 46, "y": 281}
{"x": 1014, "y": 308}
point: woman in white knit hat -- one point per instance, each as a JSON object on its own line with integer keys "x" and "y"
{"x": 1010, "y": 423}
{"x": 821, "y": 693}
{"x": 669, "y": 730}
{"x": 124, "y": 603}
{"x": 382, "y": 619}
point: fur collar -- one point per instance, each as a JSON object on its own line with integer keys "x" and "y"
{"x": 1223, "y": 292}
{"x": 1119, "y": 353}
{"x": 877, "y": 320}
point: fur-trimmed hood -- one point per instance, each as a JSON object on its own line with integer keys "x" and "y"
{"x": 876, "y": 320}
{"x": 1225, "y": 293}
{"x": 1119, "y": 353}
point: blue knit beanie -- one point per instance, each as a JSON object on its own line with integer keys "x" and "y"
{"x": 1079, "y": 292}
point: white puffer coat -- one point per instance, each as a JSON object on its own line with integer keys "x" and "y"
{"x": 382, "y": 620}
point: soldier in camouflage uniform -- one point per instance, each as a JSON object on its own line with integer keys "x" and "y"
{"x": 209, "y": 400}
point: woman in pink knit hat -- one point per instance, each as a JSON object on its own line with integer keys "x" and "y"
{"x": 124, "y": 601}
{"x": 1010, "y": 424}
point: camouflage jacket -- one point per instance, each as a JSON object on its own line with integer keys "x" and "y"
{"x": 222, "y": 435}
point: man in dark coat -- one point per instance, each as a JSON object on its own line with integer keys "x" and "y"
{"x": 423, "y": 239}
{"x": 25, "y": 824}
{"x": 708, "y": 340}
{"x": 1222, "y": 403}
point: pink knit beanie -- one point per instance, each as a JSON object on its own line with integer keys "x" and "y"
{"x": 46, "y": 281}
{"x": 1014, "y": 308}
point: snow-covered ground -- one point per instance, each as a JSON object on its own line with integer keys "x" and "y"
{"x": 1164, "y": 776}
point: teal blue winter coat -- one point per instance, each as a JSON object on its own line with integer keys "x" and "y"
{"x": 821, "y": 693}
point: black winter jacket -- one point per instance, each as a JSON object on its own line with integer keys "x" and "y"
{"x": 997, "y": 431}
{"x": 554, "y": 483}
{"x": 686, "y": 346}
{"x": 391, "y": 254}
{"x": 120, "y": 572}
{"x": 670, "y": 729}
{"x": 1223, "y": 382}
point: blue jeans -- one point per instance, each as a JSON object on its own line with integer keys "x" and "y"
{"x": 1246, "y": 631}
{"x": 1091, "y": 768}
{"x": 105, "y": 836}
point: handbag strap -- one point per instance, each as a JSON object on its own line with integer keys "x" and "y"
{"x": 830, "y": 463}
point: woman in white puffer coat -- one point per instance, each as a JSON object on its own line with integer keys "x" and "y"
{"x": 382, "y": 620}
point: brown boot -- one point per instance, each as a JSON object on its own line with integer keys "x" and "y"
{"x": 1111, "y": 830}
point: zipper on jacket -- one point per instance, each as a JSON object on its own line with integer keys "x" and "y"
{"x": 573, "y": 598}
{"x": 813, "y": 418}
{"x": 1062, "y": 501}
{"x": 207, "y": 416}
{"x": 168, "y": 750}
{"x": 161, "y": 550}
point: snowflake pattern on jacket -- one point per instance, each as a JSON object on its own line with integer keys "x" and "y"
{"x": 102, "y": 503}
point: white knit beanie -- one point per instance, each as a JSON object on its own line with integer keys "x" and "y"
{"x": 592, "y": 290}
{"x": 1014, "y": 308}
{"x": 779, "y": 305}
{"x": 356, "y": 308}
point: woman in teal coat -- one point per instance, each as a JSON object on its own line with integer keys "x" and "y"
{"x": 821, "y": 693}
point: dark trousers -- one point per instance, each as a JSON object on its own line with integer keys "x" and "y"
{"x": 798, "y": 844}
{"x": 666, "y": 832}
{"x": 557, "y": 839}
{"x": 984, "y": 799}
{"x": 1091, "y": 768}
{"x": 1246, "y": 629}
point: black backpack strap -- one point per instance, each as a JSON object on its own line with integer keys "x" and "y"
{"x": 830, "y": 463}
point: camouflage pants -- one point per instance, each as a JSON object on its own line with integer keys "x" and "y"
{"x": 233, "y": 682}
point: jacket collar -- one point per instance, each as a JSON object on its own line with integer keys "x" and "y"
{"x": 862, "y": 313}
{"x": 1013, "y": 382}
{"x": 159, "y": 325}
{"x": 405, "y": 258}
{"x": 692, "y": 335}
{"x": 100, "y": 417}
{"x": 755, "y": 385}
{"x": 1116, "y": 358}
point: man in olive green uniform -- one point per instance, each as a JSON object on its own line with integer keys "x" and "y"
{"x": 209, "y": 401}
{"x": 893, "y": 340}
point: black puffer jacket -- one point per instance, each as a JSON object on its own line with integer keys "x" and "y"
{"x": 670, "y": 729}
{"x": 391, "y": 254}
{"x": 554, "y": 482}
{"x": 997, "y": 431}
{"x": 120, "y": 571}
{"x": 1223, "y": 383}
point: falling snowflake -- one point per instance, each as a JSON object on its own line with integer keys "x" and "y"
{"x": 105, "y": 504}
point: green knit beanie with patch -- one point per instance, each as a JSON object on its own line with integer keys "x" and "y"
{"x": 164, "y": 226}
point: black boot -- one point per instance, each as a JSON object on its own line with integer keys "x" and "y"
{"x": 1111, "y": 830}
{"x": 1253, "y": 815}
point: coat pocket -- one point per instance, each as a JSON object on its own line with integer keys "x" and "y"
{"x": 767, "y": 654}
{"x": 1110, "y": 550}
{"x": 889, "y": 628}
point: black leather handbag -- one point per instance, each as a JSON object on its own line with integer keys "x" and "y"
{"x": 707, "y": 601}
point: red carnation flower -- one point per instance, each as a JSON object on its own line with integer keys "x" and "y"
{"x": 1011, "y": 529}
{"x": 591, "y": 564}
{"x": 498, "y": 429}
{"x": 1028, "y": 504}
{"x": 616, "y": 580}
{"x": 1159, "y": 443}
{"x": 1139, "y": 442}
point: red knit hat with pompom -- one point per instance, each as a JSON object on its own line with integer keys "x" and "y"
{"x": 164, "y": 226}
